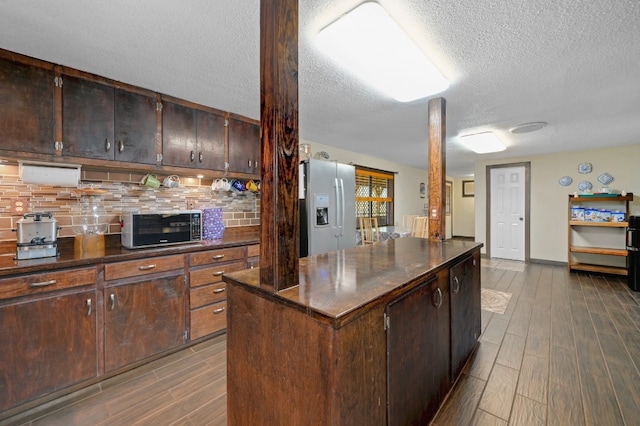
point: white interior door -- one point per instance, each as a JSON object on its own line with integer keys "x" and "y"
{"x": 507, "y": 213}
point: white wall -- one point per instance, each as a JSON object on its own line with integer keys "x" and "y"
{"x": 463, "y": 210}
{"x": 549, "y": 210}
{"x": 407, "y": 179}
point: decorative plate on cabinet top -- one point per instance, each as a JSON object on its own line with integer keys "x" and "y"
{"x": 584, "y": 168}
{"x": 605, "y": 178}
{"x": 585, "y": 186}
{"x": 565, "y": 180}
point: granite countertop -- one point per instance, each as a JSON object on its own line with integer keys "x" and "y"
{"x": 334, "y": 284}
{"x": 114, "y": 252}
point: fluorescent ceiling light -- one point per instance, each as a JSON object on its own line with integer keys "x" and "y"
{"x": 483, "y": 143}
{"x": 369, "y": 43}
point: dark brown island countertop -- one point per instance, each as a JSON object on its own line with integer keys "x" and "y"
{"x": 114, "y": 252}
{"x": 336, "y": 284}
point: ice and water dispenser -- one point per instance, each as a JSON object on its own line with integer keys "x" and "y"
{"x": 321, "y": 205}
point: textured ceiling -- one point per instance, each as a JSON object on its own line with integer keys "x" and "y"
{"x": 574, "y": 64}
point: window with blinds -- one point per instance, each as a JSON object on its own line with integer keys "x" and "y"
{"x": 374, "y": 194}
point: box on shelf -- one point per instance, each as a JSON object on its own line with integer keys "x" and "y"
{"x": 577, "y": 213}
{"x": 590, "y": 214}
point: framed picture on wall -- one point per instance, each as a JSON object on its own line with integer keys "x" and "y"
{"x": 468, "y": 188}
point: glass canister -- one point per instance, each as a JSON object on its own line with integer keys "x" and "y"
{"x": 91, "y": 225}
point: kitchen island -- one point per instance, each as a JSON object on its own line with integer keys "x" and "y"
{"x": 373, "y": 334}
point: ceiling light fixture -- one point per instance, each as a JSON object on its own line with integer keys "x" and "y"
{"x": 528, "y": 127}
{"x": 483, "y": 143}
{"x": 370, "y": 44}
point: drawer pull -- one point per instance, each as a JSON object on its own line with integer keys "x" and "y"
{"x": 456, "y": 282}
{"x": 218, "y": 256}
{"x": 43, "y": 283}
{"x": 438, "y": 302}
{"x": 147, "y": 267}
{"x": 218, "y": 311}
{"x": 218, "y": 273}
{"x": 218, "y": 290}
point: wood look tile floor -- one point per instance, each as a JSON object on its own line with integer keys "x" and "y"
{"x": 565, "y": 352}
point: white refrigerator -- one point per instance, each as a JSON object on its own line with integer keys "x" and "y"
{"x": 327, "y": 206}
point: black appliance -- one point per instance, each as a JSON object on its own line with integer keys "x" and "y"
{"x": 159, "y": 229}
{"x": 633, "y": 248}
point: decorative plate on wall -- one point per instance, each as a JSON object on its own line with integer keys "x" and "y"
{"x": 584, "y": 168}
{"x": 605, "y": 178}
{"x": 565, "y": 180}
{"x": 585, "y": 186}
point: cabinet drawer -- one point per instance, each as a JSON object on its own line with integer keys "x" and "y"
{"x": 253, "y": 250}
{"x": 212, "y": 274}
{"x": 207, "y": 295}
{"x": 208, "y": 320}
{"x": 48, "y": 281}
{"x": 133, "y": 268}
{"x": 216, "y": 256}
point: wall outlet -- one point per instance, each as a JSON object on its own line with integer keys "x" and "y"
{"x": 19, "y": 206}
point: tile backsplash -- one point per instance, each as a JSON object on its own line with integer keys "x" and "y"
{"x": 124, "y": 193}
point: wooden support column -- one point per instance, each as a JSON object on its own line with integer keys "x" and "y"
{"x": 279, "y": 232}
{"x": 437, "y": 167}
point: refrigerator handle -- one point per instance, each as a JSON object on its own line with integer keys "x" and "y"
{"x": 338, "y": 206}
{"x": 342, "y": 206}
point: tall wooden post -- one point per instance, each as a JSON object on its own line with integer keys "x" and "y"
{"x": 279, "y": 232}
{"x": 437, "y": 167}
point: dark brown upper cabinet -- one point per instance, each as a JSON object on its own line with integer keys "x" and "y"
{"x": 103, "y": 122}
{"x": 210, "y": 129}
{"x": 26, "y": 102}
{"x": 192, "y": 137}
{"x": 244, "y": 146}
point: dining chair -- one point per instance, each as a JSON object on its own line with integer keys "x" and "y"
{"x": 369, "y": 230}
{"x": 407, "y": 220}
{"x": 420, "y": 227}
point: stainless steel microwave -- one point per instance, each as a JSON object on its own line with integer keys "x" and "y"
{"x": 155, "y": 229}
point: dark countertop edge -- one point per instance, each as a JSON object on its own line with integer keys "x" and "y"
{"x": 67, "y": 258}
{"x": 250, "y": 279}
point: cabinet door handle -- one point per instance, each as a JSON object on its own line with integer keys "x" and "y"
{"x": 43, "y": 283}
{"x": 474, "y": 262}
{"x": 192, "y": 156}
{"x": 218, "y": 311}
{"x": 218, "y": 290}
{"x": 218, "y": 256}
{"x": 88, "y": 307}
{"x": 120, "y": 146}
{"x": 200, "y": 157}
{"x": 250, "y": 164}
{"x": 146, "y": 267}
{"x": 456, "y": 283}
{"x": 438, "y": 299}
{"x": 218, "y": 273}
{"x": 107, "y": 145}
{"x": 112, "y": 298}
{"x": 255, "y": 164}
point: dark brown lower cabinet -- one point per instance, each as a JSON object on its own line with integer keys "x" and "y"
{"x": 418, "y": 363}
{"x": 143, "y": 319}
{"x": 47, "y": 345}
{"x": 465, "y": 311}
